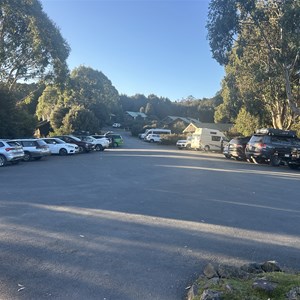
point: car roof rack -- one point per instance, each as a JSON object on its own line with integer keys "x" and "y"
{"x": 276, "y": 132}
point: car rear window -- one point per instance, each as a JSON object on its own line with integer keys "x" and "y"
{"x": 256, "y": 139}
{"x": 13, "y": 144}
{"x": 29, "y": 143}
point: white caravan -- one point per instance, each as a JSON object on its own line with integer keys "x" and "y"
{"x": 208, "y": 139}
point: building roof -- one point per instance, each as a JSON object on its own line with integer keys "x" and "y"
{"x": 219, "y": 126}
{"x": 186, "y": 120}
{"x": 135, "y": 114}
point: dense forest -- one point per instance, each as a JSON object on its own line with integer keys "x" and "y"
{"x": 257, "y": 42}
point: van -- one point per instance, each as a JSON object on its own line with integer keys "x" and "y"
{"x": 208, "y": 139}
{"x": 154, "y": 131}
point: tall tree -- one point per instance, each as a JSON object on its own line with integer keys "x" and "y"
{"x": 31, "y": 46}
{"x": 93, "y": 90}
{"x": 271, "y": 28}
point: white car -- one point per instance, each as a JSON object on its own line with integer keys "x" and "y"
{"x": 58, "y": 146}
{"x": 116, "y": 125}
{"x": 153, "y": 138}
{"x": 10, "y": 152}
{"x": 100, "y": 144}
{"x": 184, "y": 144}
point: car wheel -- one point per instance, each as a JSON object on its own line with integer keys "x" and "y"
{"x": 206, "y": 148}
{"x": 3, "y": 161}
{"x": 116, "y": 144}
{"x": 227, "y": 156}
{"x": 99, "y": 148}
{"x": 80, "y": 149}
{"x": 293, "y": 166}
{"x": 258, "y": 160}
{"x": 27, "y": 156}
{"x": 275, "y": 160}
{"x": 63, "y": 152}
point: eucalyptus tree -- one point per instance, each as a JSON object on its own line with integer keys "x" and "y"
{"x": 93, "y": 90}
{"x": 79, "y": 119}
{"x": 31, "y": 46}
{"x": 265, "y": 36}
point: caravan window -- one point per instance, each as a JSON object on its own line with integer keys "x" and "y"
{"x": 216, "y": 138}
{"x": 213, "y": 132}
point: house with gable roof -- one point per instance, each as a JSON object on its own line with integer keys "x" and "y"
{"x": 133, "y": 115}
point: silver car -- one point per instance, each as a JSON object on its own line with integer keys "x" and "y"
{"x": 10, "y": 152}
{"x": 34, "y": 148}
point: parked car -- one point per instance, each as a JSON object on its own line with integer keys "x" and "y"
{"x": 116, "y": 140}
{"x": 82, "y": 146}
{"x": 152, "y": 138}
{"x": 236, "y": 148}
{"x": 269, "y": 145}
{"x": 10, "y": 152}
{"x": 58, "y": 146}
{"x": 116, "y": 125}
{"x": 100, "y": 144}
{"x": 184, "y": 144}
{"x": 33, "y": 148}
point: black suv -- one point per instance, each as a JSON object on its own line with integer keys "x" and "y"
{"x": 236, "y": 148}
{"x": 269, "y": 145}
{"x": 82, "y": 146}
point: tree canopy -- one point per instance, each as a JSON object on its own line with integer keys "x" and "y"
{"x": 31, "y": 46}
{"x": 263, "y": 38}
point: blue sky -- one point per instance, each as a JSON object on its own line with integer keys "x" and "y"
{"x": 143, "y": 46}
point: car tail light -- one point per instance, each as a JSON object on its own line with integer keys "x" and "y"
{"x": 261, "y": 145}
{"x": 9, "y": 149}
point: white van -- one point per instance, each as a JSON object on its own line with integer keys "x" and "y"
{"x": 208, "y": 139}
{"x": 154, "y": 131}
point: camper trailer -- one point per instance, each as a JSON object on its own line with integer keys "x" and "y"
{"x": 208, "y": 139}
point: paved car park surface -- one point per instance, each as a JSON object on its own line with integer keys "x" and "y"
{"x": 139, "y": 221}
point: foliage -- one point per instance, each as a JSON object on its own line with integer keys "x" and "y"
{"x": 171, "y": 139}
{"x": 14, "y": 122}
{"x": 243, "y": 288}
{"x": 264, "y": 37}
{"x": 178, "y": 127}
{"x": 246, "y": 123}
{"x": 80, "y": 119}
{"x": 57, "y": 116}
{"x": 86, "y": 88}
{"x": 94, "y": 91}
{"x": 31, "y": 45}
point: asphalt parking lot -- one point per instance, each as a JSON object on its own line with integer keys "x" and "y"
{"x": 139, "y": 222}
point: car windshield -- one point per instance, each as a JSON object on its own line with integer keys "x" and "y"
{"x": 87, "y": 139}
{"x": 59, "y": 141}
{"x": 75, "y": 138}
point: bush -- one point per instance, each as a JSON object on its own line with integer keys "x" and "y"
{"x": 171, "y": 139}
